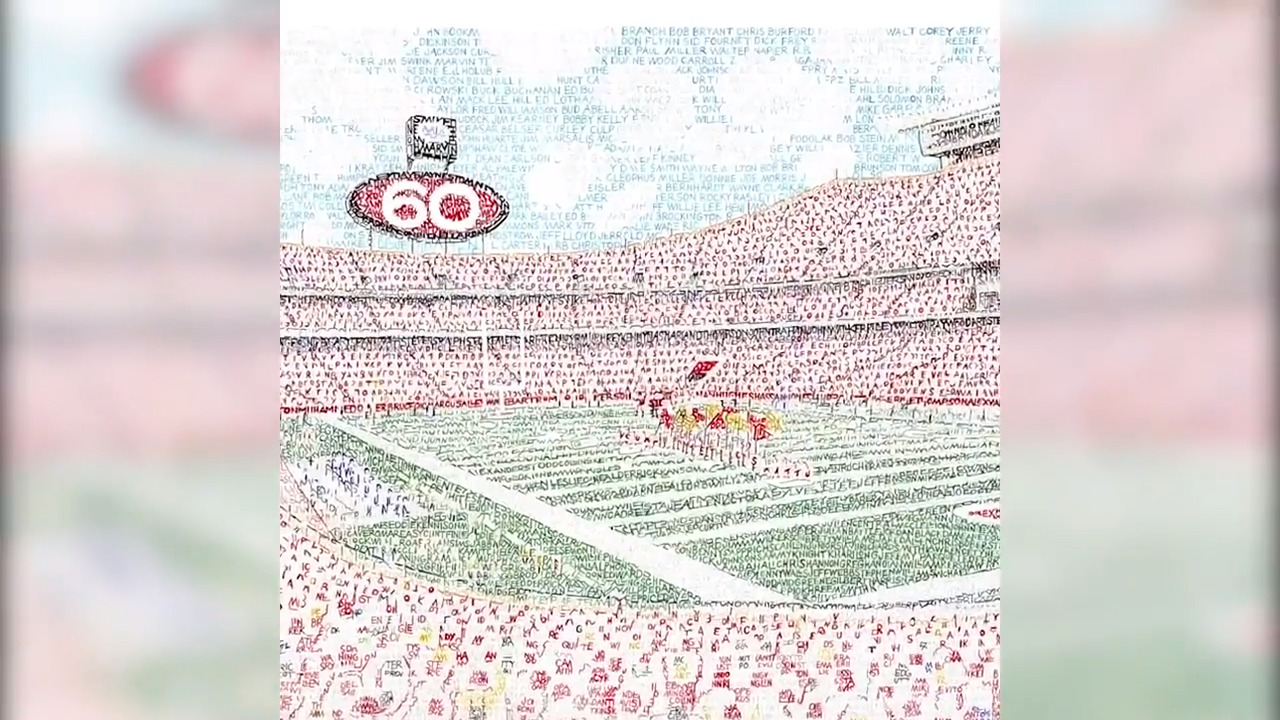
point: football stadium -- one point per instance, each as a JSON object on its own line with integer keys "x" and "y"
{"x": 798, "y": 406}
{"x": 669, "y": 478}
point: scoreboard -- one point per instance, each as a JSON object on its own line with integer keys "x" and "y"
{"x": 952, "y": 135}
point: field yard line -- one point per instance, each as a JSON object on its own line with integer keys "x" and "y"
{"x": 940, "y": 588}
{"x": 964, "y": 459}
{"x": 618, "y": 484}
{"x": 787, "y": 500}
{"x": 924, "y": 447}
{"x": 758, "y": 484}
{"x": 586, "y": 458}
{"x": 502, "y": 450}
{"x": 576, "y": 457}
{"x": 577, "y": 478}
{"x": 633, "y": 463}
{"x": 703, "y": 581}
{"x": 818, "y": 442}
{"x": 523, "y": 459}
{"x": 759, "y": 526}
{"x": 534, "y": 431}
{"x": 659, "y": 463}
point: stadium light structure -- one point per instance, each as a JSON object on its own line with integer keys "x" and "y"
{"x": 429, "y": 138}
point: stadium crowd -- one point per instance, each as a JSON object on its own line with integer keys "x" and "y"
{"x": 902, "y": 297}
{"x": 931, "y": 362}
{"x": 845, "y": 228}
{"x": 891, "y": 297}
{"x": 359, "y": 639}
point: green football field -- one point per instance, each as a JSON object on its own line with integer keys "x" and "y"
{"x": 877, "y": 514}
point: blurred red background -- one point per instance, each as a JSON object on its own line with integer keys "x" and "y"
{"x": 143, "y": 313}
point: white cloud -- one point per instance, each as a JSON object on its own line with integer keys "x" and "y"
{"x": 382, "y": 103}
{"x": 321, "y": 74}
{"x": 780, "y": 97}
{"x": 719, "y": 144}
{"x": 970, "y": 82}
{"x": 624, "y": 208}
{"x": 886, "y": 125}
{"x": 558, "y": 183}
{"x": 372, "y": 102}
{"x": 539, "y": 57}
{"x": 990, "y": 44}
{"x": 872, "y": 55}
{"x": 656, "y": 103}
{"x": 318, "y": 230}
{"x": 324, "y": 151}
{"x": 766, "y": 101}
{"x": 824, "y": 163}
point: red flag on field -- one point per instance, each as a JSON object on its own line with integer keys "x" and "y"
{"x": 759, "y": 428}
{"x": 701, "y": 369}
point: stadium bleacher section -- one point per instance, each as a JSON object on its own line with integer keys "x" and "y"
{"x": 845, "y": 228}
{"x": 899, "y": 297}
{"x": 793, "y": 297}
{"x": 932, "y": 362}
{"x": 441, "y": 654}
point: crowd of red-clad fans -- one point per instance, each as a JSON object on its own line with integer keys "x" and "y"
{"x": 904, "y": 297}
{"x": 359, "y": 640}
{"x": 936, "y": 362}
{"x": 808, "y": 265}
{"x": 845, "y": 228}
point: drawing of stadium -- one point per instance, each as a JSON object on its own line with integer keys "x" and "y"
{"x": 566, "y": 426}
{"x": 550, "y": 472}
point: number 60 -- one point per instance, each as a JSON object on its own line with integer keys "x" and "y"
{"x": 411, "y": 194}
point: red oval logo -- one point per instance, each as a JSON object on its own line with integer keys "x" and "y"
{"x": 219, "y": 79}
{"x": 427, "y": 206}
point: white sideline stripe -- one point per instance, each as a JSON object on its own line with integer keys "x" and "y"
{"x": 923, "y": 447}
{"x": 819, "y": 480}
{"x": 584, "y": 460}
{"x": 816, "y": 428}
{"x": 719, "y": 472}
{"x": 523, "y": 463}
{"x": 759, "y": 526}
{"x": 526, "y": 467}
{"x": 818, "y": 441}
{"x": 448, "y": 434}
{"x": 630, "y": 464}
{"x": 789, "y": 499}
{"x": 619, "y": 484}
{"x": 658, "y": 464}
{"x": 933, "y": 589}
{"x": 523, "y": 456}
{"x": 702, "y": 580}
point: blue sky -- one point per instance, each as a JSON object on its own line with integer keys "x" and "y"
{"x": 601, "y": 137}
